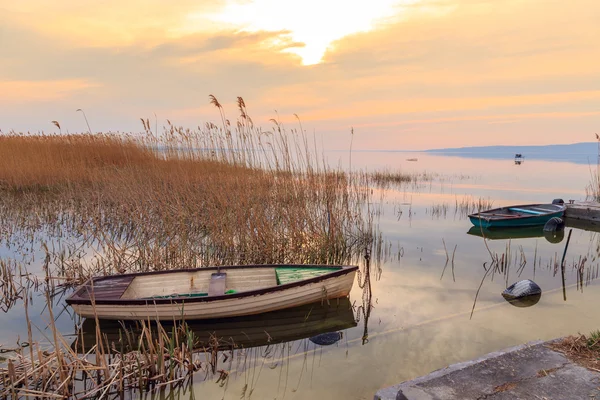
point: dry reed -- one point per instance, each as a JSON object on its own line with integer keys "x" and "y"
{"x": 101, "y": 204}
{"x": 180, "y": 199}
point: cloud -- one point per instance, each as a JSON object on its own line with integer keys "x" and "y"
{"x": 35, "y": 91}
{"x": 449, "y": 61}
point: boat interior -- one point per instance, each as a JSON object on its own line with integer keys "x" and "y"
{"x": 200, "y": 283}
{"x": 523, "y": 211}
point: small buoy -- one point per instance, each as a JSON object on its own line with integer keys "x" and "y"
{"x": 554, "y": 224}
{"x": 326, "y": 339}
{"x": 524, "y": 293}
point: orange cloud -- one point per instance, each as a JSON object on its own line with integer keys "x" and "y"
{"x": 494, "y": 119}
{"x": 35, "y": 91}
{"x": 421, "y": 105}
{"x": 471, "y": 70}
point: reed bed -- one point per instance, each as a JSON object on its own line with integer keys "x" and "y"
{"x": 159, "y": 359}
{"x": 82, "y": 205}
{"x": 462, "y": 207}
{"x": 178, "y": 199}
{"x": 592, "y": 191}
{"x": 142, "y": 357}
{"x": 469, "y": 204}
{"x": 387, "y": 178}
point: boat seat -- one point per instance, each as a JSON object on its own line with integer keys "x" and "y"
{"x": 217, "y": 283}
{"x": 526, "y": 211}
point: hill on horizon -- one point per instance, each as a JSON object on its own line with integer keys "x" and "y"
{"x": 573, "y": 148}
{"x": 579, "y": 153}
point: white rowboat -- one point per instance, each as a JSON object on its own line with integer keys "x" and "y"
{"x": 212, "y": 292}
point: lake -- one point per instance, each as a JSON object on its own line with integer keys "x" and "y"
{"x": 419, "y": 314}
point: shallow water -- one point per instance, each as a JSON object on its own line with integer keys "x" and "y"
{"x": 421, "y": 320}
{"x": 420, "y": 316}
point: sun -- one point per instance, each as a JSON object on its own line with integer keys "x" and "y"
{"x": 313, "y": 24}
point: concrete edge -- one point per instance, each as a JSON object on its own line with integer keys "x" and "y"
{"x": 391, "y": 392}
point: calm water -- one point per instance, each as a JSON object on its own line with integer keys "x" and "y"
{"x": 419, "y": 320}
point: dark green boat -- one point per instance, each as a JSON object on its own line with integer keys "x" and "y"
{"x": 517, "y": 216}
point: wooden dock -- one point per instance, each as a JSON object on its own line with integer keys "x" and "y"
{"x": 584, "y": 210}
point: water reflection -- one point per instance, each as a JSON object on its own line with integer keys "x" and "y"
{"x": 228, "y": 333}
{"x": 410, "y": 321}
{"x": 509, "y": 263}
{"x": 592, "y": 226}
{"x": 526, "y": 301}
{"x": 223, "y": 349}
{"x": 517, "y": 233}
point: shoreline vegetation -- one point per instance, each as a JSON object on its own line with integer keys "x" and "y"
{"x": 74, "y": 206}
{"x": 102, "y": 204}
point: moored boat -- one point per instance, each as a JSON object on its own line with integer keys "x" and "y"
{"x": 211, "y": 292}
{"x": 517, "y": 216}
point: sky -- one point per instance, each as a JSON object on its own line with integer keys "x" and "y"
{"x": 404, "y": 74}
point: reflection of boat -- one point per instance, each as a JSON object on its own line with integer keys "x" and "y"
{"x": 250, "y": 331}
{"x": 507, "y": 233}
{"x": 211, "y": 292}
{"x": 517, "y": 233}
{"x": 517, "y": 216}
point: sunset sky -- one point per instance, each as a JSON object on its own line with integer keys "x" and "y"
{"x": 406, "y": 74}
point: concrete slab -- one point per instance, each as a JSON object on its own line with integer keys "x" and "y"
{"x": 530, "y": 371}
{"x": 583, "y": 210}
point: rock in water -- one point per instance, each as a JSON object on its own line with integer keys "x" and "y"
{"x": 325, "y": 339}
{"x": 524, "y": 293}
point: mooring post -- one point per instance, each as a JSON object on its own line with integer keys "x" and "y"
{"x": 562, "y": 265}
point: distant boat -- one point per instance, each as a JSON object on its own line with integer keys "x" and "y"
{"x": 518, "y": 159}
{"x": 517, "y": 216}
{"x": 210, "y": 292}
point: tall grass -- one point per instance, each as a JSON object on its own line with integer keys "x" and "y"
{"x": 182, "y": 198}
{"x": 101, "y": 204}
{"x": 592, "y": 191}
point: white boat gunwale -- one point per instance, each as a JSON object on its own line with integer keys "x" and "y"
{"x": 75, "y": 298}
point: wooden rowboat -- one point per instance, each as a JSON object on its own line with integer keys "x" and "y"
{"x": 517, "y": 216}
{"x": 238, "y": 332}
{"x": 212, "y": 292}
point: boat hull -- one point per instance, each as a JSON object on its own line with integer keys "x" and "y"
{"x": 517, "y": 216}
{"x": 254, "y": 302}
{"x": 512, "y": 223}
